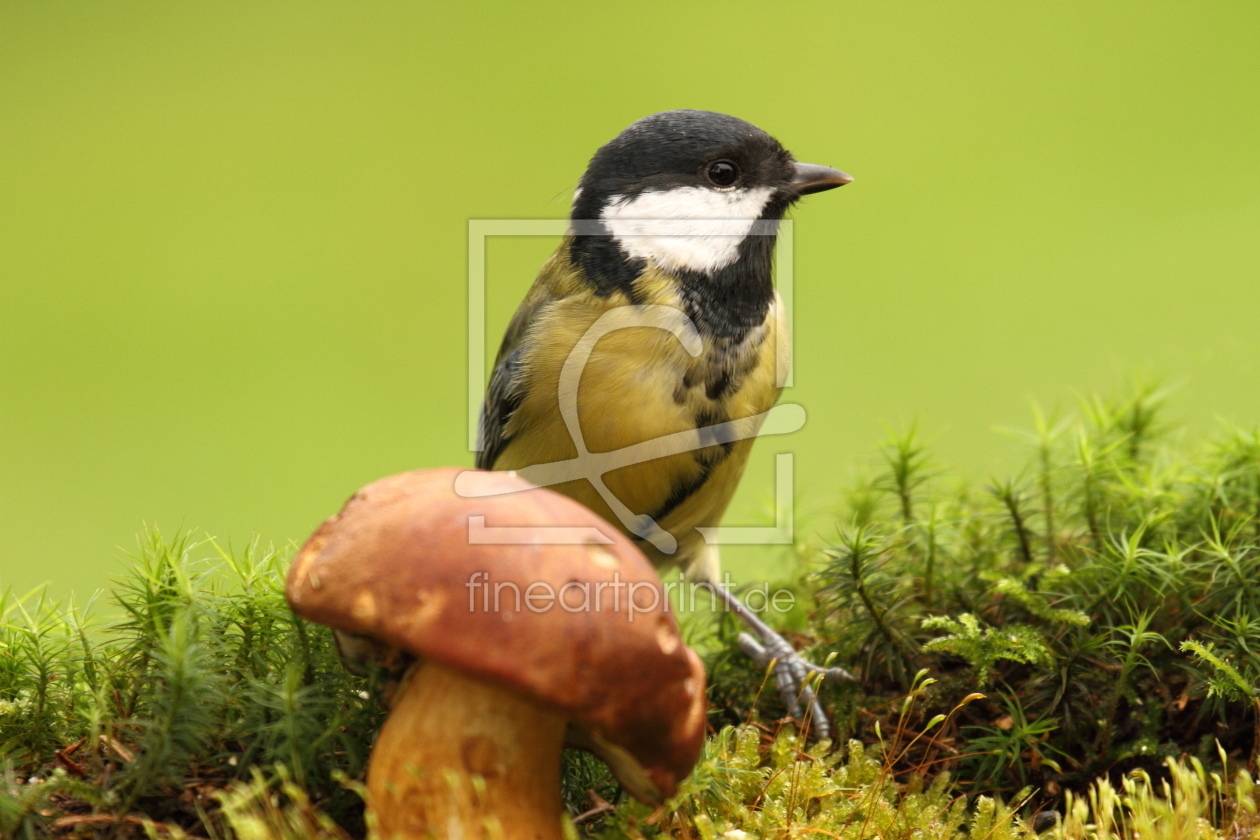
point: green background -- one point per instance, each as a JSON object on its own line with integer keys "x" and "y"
{"x": 233, "y": 236}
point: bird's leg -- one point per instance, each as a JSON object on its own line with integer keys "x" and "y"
{"x": 791, "y": 671}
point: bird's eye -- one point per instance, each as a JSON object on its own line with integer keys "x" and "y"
{"x": 722, "y": 173}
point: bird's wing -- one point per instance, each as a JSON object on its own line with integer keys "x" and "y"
{"x": 507, "y": 381}
{"x": 502, "y": 398}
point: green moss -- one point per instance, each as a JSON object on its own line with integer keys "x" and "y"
{"x": 203, "y": 676}
{"x": 1105, "y": 603}
{"x": 1107, "y": 600}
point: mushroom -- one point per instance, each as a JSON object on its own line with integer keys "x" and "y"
{"x": 520, "y": 622}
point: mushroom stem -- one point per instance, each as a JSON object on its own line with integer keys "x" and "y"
{"x": 459, "y": 758}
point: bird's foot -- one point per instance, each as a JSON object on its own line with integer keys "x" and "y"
{"x": 795, "y": 677}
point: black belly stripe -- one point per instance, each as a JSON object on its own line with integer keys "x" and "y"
{"x": 707, "y": 455}
{"x": 719, "y": 386}
{"x": 683, "y": 490}
{"x": 707, "y": 458}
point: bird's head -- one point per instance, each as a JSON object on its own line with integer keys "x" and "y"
{"x": 683, "y": 189}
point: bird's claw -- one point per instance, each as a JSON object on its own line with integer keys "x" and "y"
{"x": 794, "y": 676}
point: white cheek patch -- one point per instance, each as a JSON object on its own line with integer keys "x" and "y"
{"x": 691, "y": 228}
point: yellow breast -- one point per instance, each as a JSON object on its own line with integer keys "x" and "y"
{"x": 640, "y": 384}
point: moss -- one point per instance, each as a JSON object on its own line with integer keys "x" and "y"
{"x": 1083, "y": 638}
{"x": 1105, "y": 599}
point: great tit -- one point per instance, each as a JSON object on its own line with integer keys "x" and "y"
{"x": 677, "y": 214}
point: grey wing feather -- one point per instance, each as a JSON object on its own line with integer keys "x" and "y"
{"x": 507, "y": 381}
{"x": 502, "y": 397}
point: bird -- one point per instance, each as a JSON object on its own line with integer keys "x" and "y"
{"x": 662, "y": 290}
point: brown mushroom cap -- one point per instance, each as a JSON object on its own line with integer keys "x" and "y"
{"x": 397, "y": 564}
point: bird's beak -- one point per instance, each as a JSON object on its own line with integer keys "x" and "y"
{"x": 812, "y": 178}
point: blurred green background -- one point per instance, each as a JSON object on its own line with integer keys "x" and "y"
{"x": 233, "y": 235}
